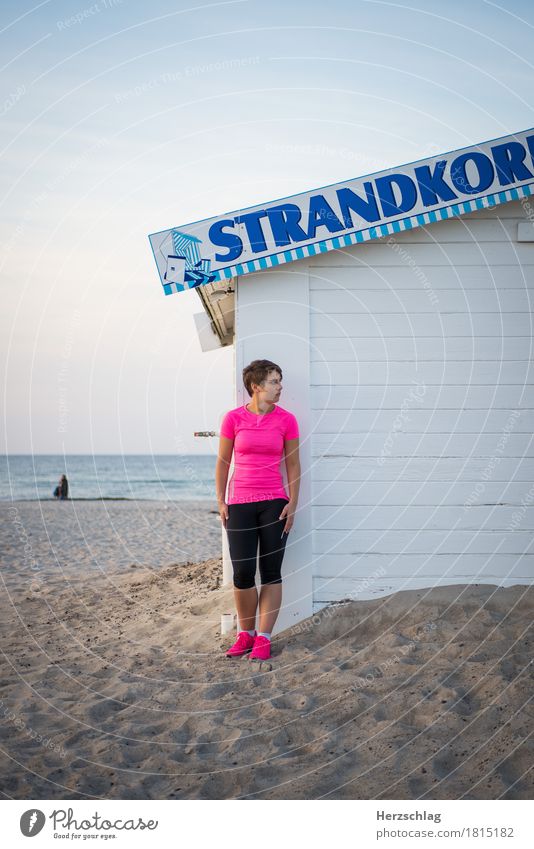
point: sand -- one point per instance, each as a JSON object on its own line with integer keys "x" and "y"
{"x": 114, "y": 683}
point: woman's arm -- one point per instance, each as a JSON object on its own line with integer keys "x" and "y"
{"x": 291, "y": 452}
{"x": 222, "y": 467}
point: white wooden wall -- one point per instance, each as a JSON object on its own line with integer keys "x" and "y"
{"x": 409, "y": 367}
{"x": 420, "y": 357}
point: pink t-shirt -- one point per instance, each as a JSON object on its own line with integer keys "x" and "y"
{"x": 258, "y": 450}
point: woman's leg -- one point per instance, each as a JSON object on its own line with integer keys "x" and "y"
{"x": 246, "y": 602}
{"x": 270, "y": 602}
{"x": 272, "y": 548}
{"x": 242, "y": 531}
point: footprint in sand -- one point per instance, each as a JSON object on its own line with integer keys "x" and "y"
{"x": 445, "y": 763}
{"x": 380, "y": 714}
{"x": 94, "y": 785}
{"x": 217, "y": 691}
{"x": 513, "y": 771}
{"x": 206, "y": 747}
{"x": 181, "y": 735}
{"x": 417, "y": 785}
{"x": 294, "y": 701}
{"x": 102, "y": 711}
{"x": 281, "y": 739}
{"x": 512, "y": 666}
{"x": 261, "y": 677}
{"x": 134, "y": 754}
{"x": 464, "y": 703}
{"x": 83, "y": 737}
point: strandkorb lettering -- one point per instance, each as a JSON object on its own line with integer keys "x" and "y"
{"x": 344, "y": 214}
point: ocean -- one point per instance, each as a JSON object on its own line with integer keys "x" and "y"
{"x": 158, "y": 477}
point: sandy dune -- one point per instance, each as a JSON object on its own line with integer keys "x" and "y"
{"x": 121, "y": 671}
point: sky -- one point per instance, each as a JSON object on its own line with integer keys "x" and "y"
{"x": 122, "y": 118}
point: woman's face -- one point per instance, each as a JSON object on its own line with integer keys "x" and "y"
{"x": 271, "y": 388}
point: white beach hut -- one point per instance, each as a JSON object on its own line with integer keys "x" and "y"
{"x": 399, "y": 307}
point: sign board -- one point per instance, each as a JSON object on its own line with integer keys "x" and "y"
{"x": 337, "y": 216}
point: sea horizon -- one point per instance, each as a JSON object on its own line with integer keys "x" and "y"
{"x": 109, "y": 477}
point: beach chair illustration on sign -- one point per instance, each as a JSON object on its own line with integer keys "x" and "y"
{"x": 175, "y": 269}
{"x": 186, "y": 267}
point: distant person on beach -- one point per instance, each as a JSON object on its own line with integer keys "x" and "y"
{"x": 258, "y": 506}
{"x": 61, "y": 491}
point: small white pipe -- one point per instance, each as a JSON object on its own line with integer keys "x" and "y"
{"x": 227, "y": 622}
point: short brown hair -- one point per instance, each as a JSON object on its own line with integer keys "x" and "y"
{"x": 257, "y": 371}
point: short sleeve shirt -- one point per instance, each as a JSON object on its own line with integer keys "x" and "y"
{"x": 258, "y": 450}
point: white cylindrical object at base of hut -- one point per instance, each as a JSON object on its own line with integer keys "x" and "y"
{"x": 227, "y": 622}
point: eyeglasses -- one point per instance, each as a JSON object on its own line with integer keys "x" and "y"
{"x": 274, "y": 382}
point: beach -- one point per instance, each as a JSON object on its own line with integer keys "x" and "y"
{"x": 114, "y": 683}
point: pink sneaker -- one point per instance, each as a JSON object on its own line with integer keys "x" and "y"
{"x": 262, "y": 649}
{"x": 242, "y": 645}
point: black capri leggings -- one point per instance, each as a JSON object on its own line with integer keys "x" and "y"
{"x": 246, "y": 524}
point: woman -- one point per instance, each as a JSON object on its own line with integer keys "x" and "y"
{"x": 258, "y": 506}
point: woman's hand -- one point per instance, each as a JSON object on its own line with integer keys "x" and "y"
{"x": 288, "y": 513}
{"x": 223, "y": 512}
